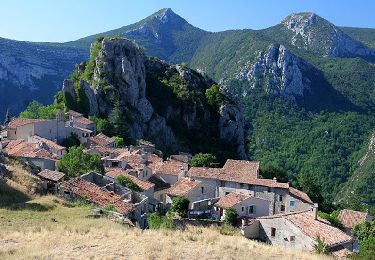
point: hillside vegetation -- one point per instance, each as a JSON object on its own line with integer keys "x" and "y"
{"x": 57, "y": 229}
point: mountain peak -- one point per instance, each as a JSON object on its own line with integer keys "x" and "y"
{"x": 166, "y": 14}
{"x": 302, "y": 19}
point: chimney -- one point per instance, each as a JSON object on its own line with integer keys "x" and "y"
{"x": 315, "y": 211}
{"x": 274, "y": 179}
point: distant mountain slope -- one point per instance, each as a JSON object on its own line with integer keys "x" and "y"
{"x": 164, "y": 34}
{"x": 360, "y": 188}
{"x": 364, "y": 35}
{"x": 32, "y": 71}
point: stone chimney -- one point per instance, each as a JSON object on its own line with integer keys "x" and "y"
{"x": 315, "y": 211}
{"x": 274, "y": 179}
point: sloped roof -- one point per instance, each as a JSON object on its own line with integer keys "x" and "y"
{"x": 350, "y": 218}
{"x": 300, "y": 195}
{"x": 114, "y": 173}
{"x": 21, "y": 148}
{"x": 51, "y": 175}
{"x": 49, "y": 143}
{"x": 159, "y": 183}
{"x": 233, "y": 176}
{"x": 305, "y": 221}
{"x": 22, "y": 121}
{"x": 171, "y": 167}
{"x": 97, "y": 195}
{"x": 231, "y": 200}
{"x": 182, "y": 187}
{"x": 101, "y": 140}
{"x": 242, "y": 167}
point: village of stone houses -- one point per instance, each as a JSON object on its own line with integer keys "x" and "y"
{"x": 138, "y": 182}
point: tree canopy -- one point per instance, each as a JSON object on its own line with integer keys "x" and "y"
{"x": 204, "y": 160}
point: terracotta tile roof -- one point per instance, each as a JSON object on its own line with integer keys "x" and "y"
{"x": 300, "y": 195}
{"x": 96, "y": 195}
{"x": 182, "y": 187}
{"x": 341, "y": 253}
{"x": 242, "y": 167}
{"x": 351, "y": 218}
{"x": 159, "y": 183}
{"x": 317, "y": 227}
{"x": 145, "y": 185}
{"x": 221, "y": 174}
{"x": 180, "y": 157}
{"x": 83, "y": 121}
{"x": 101, "y": 140}
{"x": 171, "y": 167}
{"x": 21, "y": 121}
{"x": 231, "y": 200}
{"x": 74, "y": 113}
{"x": 21, "y": 148}
{"x": 51, "y": 175}
{"x": 49, "y": 143}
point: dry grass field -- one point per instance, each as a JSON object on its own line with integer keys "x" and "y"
{"x": 48, "y": 228}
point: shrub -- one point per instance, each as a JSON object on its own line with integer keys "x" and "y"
{"x": 230, "y": 217}
{"x": 180, "y": 205}
{"x": 157, "y": 221}
{"x": 119, "y": 141}
{"x": 110, "y": 207}
{"x": 127, "y": 182}
{"x": 332, "y": 218}
{"x": 214, "y": 97}
{"x": 320, "y": 247}
{"x": 203, "y": 160}
{"x": 71, "y": 141}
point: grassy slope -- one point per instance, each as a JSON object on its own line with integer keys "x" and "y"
{"x": 30, "y": 233}
{"x": 364, "y": 35}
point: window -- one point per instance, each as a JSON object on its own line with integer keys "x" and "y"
{"x": 241, "y": 185}
{"x": 242, "y": 209}
{"x": 202, "y": 189}
{"x": 280, "y": 197}
{"x": 50, "y": 131}
{"x": 282, "y": 208}
{"x": 222, "y": 183}
{"x": 292, "y": 238}
{"x": 226, "y": 193}
{"x": 273, "y": 232}
{"x": 292, "y": 203}
{"x": 269, "y": 189}
{"x": 252, "y": 210}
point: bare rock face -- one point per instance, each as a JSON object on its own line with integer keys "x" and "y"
{"x": 278, "y": 71}
{"x": 123, "y": 73}
{"x": 68, "y": 87}
{"x": 314, "y": 33}
{"x": 231, "y": 125}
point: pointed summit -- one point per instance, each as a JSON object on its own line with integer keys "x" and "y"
{"x": 316, "y": 34}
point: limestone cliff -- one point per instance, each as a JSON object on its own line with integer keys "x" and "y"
{"x": 314, "y": 33}
{"x": 163, "y": 103}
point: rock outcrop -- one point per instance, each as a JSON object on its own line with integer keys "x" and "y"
{"x": 314, "y": 33}
{"x": 163, "y": 103}
{"x": 277, "y": 71}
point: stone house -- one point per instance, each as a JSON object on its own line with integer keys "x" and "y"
{"x": 103, "y": 191}
{"x": 351, "y": 218}
{"x": 243, "y": 177}
{"x": 190, "y": 189}
{"x": 49, "y": 145}
{"x": 298, "y": 231}
{"x": 171, "y": 170}
{"x": 246, "y": 206}
{"x": 34, "y": 153}
{"x": 50, "y": 179}
{"x": 100, "y": 140}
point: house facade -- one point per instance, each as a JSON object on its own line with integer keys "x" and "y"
{"x": 243, "y": 177}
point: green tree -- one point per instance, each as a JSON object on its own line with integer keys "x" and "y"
{"x": 157, "y": 221}
{"x": 272, "y": 170}
{"x": 76, "y": 162}
{"x": 213, "y": 96}
{"x": 36, "y": 110}
{"x": 365, "y": 232}
{"x": 180, "y": 205}
{"x": 230, "y": 217}
{"x": 119, "y": 141}
{"x": 127, "y": 182}
{"x": 102, "y": 124}
{"x": 117, "y": 123}
{"x": 203, "y": 160}
{"x": 309, "y": 184}
{"x": 71, "y": 140}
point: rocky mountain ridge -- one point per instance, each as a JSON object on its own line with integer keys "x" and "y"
{"x": 123, "y": 73}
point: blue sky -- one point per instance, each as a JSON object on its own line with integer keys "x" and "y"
{"x": 64, "y": 20}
